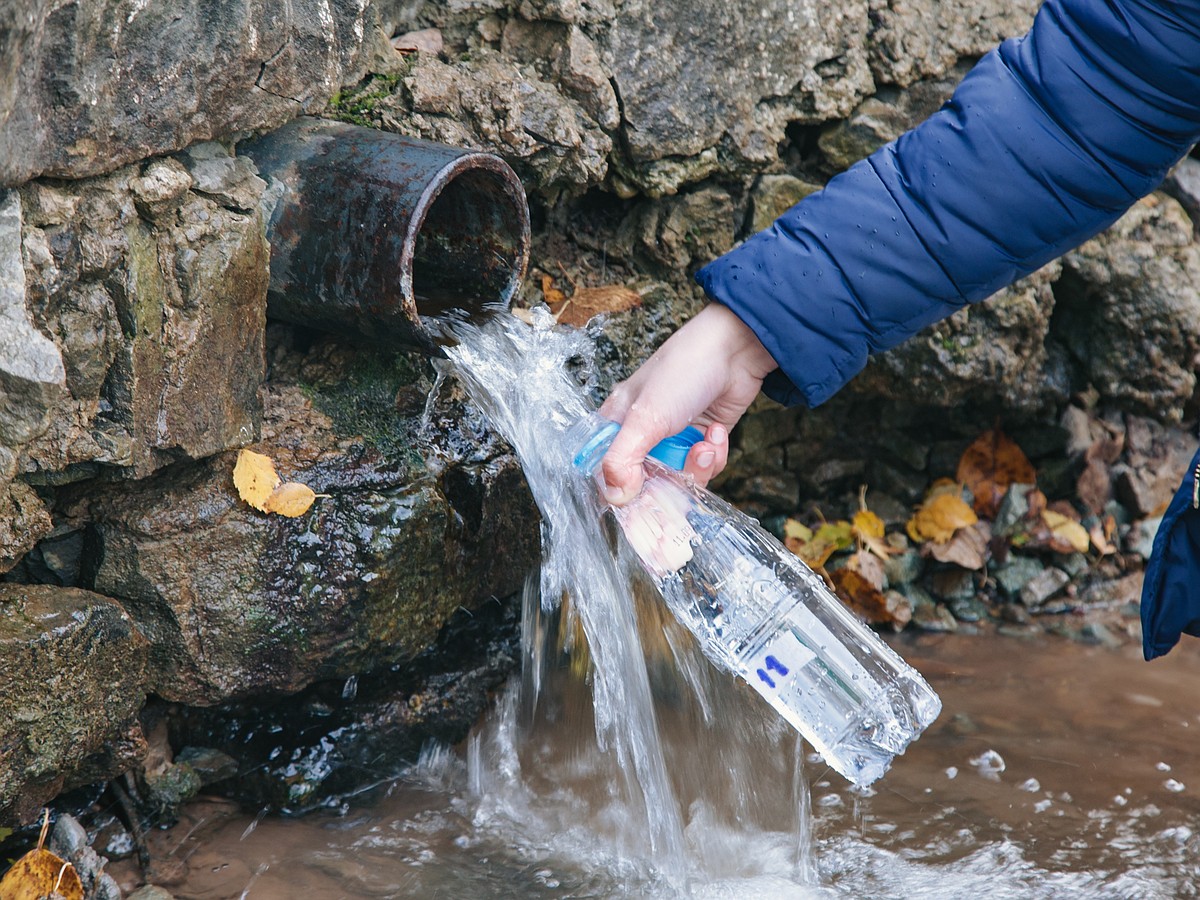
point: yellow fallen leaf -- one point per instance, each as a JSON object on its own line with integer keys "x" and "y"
{"x": 1067, "y": 529}
{"x": 255, "y": 478}
{"x": 939, "y": 517}
{"x": 797, "y": 530}
{"x": 550, "y": 293}
{"x": 867, "y": 524}
{"x": 39, "y": 873}
{"x": 290, "y": 499}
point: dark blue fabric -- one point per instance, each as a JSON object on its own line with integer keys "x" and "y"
{"x": 1171, "y": 591}
{"x": 1045, "y": 143}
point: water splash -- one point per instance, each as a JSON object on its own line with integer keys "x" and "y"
{"x": 672, "y": 765}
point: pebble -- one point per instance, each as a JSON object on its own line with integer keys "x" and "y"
{"x": 934, "y": 618}
{"x": 1043, "y": 586}
{"x": 1140, "y": 539}
{"x": 151, "y": 892}
{"x": 903, "y": 568}
{"x": 1018, "y": 573}
{"x": 969, "y": 609}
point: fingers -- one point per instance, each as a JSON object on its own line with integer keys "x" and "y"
{"x": 708, "y": 457}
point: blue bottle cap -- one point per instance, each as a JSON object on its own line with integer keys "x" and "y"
{"x": 673, "y": 451}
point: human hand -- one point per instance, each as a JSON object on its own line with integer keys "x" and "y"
{"x": 705, "y": 374}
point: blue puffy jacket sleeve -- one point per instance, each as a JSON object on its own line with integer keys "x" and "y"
{"x": 1044, "y": 144}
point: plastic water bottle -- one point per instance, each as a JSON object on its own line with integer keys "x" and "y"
{"x": 760, "y": 612}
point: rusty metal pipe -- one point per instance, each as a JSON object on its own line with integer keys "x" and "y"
{"x": 370, "y": 231}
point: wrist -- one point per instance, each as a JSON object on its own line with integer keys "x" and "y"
{"x": 739, "y": 341}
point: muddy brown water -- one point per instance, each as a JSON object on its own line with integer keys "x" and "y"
{"x": 1099, "y": 796}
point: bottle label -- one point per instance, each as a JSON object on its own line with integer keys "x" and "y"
{"x": 778, "y": 661}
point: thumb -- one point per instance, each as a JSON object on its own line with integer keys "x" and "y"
{"x": 622, "y": 464}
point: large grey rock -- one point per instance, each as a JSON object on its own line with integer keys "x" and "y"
{"x": 713, "y": 85}
{"x": 490, "y": 102}
{"x": 87, "y": 86}
{"x": 155, "y": 295}
{"x": 73, "y": 668}
{"x": 1129, "y": 309}
{"x": 32, "y": 376}
{"x": 238, "y": 602}
{"x": 923, "y": 38}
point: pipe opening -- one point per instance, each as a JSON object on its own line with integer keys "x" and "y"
{"x": 471, "y": 246}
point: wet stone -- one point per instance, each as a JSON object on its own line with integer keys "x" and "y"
{"x": 1014, "y": 613}
{"x": 898, "y": 480}
{"x": 1013, "y": 508}
{"x": 911, "y": 452}
{"x": 934, "y": 618}
{"x": 953, "y": 584}
{"x": 1140, "y": 539}
{"x": 73, "y": 665}
{"x": 1021, "y": 570}
{"x": 969, "y": 609}
{"x": 1043, "y": 586}
{"x": 903, "y": 568}
{"x": 1074, "y": 564}
{"x": 209, "y": 764}
{"x": 889, "y": 509}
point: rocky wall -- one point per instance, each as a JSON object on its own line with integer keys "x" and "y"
{"x": 136, "y": 356}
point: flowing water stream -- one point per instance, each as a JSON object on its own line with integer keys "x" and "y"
{"x": 620, "y": 763}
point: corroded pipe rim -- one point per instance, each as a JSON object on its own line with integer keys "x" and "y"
{"x": 468, "y": 162}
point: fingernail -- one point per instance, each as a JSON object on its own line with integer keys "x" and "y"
{"x": 718, "y": 435}
{"x": 705, "y": 459}
{"x": 612, "y": 494}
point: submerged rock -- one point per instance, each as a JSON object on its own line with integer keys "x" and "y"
{"x": 74, "y": 668}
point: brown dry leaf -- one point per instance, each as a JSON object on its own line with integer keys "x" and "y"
{"x": 968, "y": 548}
{"x": 552, "y": 295}
{"x": 941, "y": 515}
{"x": 1066, "y": 534}
{"x": 525, "y": 315}
{"x": 989, "y": 466}
{"x": 1037, "y": 504}
{"x": 290, "y": 499}
{"x": 860, "y": 595}
{"x": 39, "y": 873}
{"x": 587, "y": 302}
{"x": 869, "y": 567}
{"x": 255, "y": 478}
